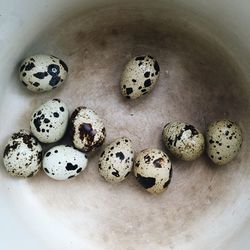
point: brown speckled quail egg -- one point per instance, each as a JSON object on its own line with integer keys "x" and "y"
{"x": 153, "y": 170}
{"x": 224, "y": 139}
{"x": 87, "y": 129}
{"x": 183, "y": 140}
{"x": 64, "y": 162}
{"x": 49, "y": 122}
{"x": 22, "y": 155}
{"x": 139, "y": 76}
{"x": 40, "y": 73}
{"x": 116, "y": 160}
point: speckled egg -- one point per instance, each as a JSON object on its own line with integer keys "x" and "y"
{"x": 116, "y": 160}
{"x": 64, "y": 162}
{"x": 139, "y": 76}
{"x": 49, "y": 122}
{"x": 87, "y": 129}
{"x": 183, "y": 140}
{"x": 153, "y": 170}
{"x": 224, "y": 139}
{"x": 41, "y": 73}
{"x": 22, "y": 155}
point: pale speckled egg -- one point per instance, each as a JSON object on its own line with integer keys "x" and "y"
{"x": 64, "y": 162}
{"x": 49, "y": 122}
{"x": 153, "y": 170}
{"x": 87, "y": 129}
{"x": 22, "y": 155}
{"x": 40, "y": 73}
{"x": 224, "y": 139}
{"x": 183, "y": 140}
{"x": 116, "y": 161}
{"x": 139, "y": 76}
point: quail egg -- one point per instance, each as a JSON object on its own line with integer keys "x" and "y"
{"x": 40, "y": 73}
{"x": 224, "y": 139}
{"x": 139, "y": 76}
{"x": 183, "y": 140}
{"x": 116, "y": 160}
{"x": 22, "y": 155}
{"x": 87, "y": 129}
{"x": 153, "y": 170}
{"x": 49, "y": 122}
{"x": 64, "y": 162}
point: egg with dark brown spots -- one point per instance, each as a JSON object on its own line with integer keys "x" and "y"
{"x": 64, "y": 162}
{"x": 40, "y": 73}
{"x": 87, "y": 129}
{"x": 139, "y": 76}
{"x": 223, "y": 139}
{"x": 116, "y": 161}
{"x": 183, "y": 140}
{"x": 22, "y": 154}
{"x": 49, "y": 122}
{"x": 153, "y": 170}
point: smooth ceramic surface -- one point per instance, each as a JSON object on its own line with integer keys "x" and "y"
{"x": 203, "y": 50}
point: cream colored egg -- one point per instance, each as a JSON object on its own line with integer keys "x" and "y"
{"x": 22, "y": 155}
{"x": 224, "y": 139}
{"x": 40, "y": 73}
{"x": 139, "y": 76}
{"x": 183, "y": 140}
{"x": 116, "y": 160}
{"x": 87, "y": 129}
{"x": 153, "y": 170}
{"x": 49, "y": 121}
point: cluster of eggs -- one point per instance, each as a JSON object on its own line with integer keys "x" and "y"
{"x": 152, "y": 167}
{"x": 48, "y": 124}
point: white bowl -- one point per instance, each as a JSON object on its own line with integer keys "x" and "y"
{"x": 203, "y": 50}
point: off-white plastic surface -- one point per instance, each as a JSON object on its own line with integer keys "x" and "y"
{"x": 204, "y": 208}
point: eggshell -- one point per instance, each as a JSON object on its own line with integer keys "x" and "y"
{"x": 139, "y": 76}
{"x": 64, "y": 162}
{"x": 224, "y": 139}
{"x": 40, "y": 73}
{"x": 153, "y": 170}
{"x": 22, "y": 155}
{"x": 87, "y": 129}
{"x": 116, "y": 160}
{"x": 183, "y": 140}
{"x": 49, "y": 122}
